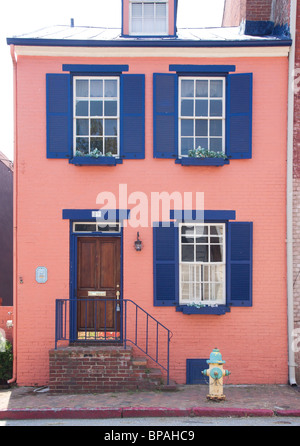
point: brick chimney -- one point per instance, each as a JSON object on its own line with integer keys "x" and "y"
{"x": 258, "y": 17}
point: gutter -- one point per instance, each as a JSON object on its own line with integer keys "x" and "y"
{"x": 142, "y": 42}
{"x": 289, "y": 210}
{"x": 15, "y": 194}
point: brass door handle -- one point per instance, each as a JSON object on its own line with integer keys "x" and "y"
{"x": 118, "y": 294}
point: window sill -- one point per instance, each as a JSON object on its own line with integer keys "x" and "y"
{"x": 189, "y": 309}
{"x": 190, "y": 161}
{"x": 89, "y": 161}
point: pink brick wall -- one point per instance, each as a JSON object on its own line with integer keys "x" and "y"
{"x": 250, "y": 339}
{"x": 234, "y": 12}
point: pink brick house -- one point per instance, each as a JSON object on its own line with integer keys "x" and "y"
{"x": 273, "y": 17}
{"x": 125, "y": 237}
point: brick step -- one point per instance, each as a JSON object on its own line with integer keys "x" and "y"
{"x": 100, "y": 369}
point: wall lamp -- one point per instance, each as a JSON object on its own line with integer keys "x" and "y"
{"x": 138, "y": 243}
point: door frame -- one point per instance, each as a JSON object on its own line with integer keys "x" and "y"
{"x": 73, "y": 274}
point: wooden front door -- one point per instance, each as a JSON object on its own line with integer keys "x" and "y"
{"x": 98, "y": 280}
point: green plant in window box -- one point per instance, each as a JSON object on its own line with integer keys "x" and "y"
{"x": 93, "y": 154}
{"x": 200, "y": 305}
{"x": 6, "y": 363}
{"x": 205, "y": 153}
{"x": 196, "y": 305}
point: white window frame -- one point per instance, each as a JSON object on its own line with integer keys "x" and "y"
{"x": 89, "y": 117}
{"x": 200, "y": 299}
{"x": 194, "y": 117}
{"x": 110, "y": 223}
{"x": 153, "y": 33}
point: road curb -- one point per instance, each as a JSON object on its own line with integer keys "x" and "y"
{"x": 129, "y": 412}
{"x": 287, "y": 413}
{"x": 61, "y": 413}
{"x": 142, "y": 412}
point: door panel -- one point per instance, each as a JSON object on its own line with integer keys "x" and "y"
{"x": 98, "y": 270}
{"x": 107, "y": 267}
{"x": 87, "y": 266}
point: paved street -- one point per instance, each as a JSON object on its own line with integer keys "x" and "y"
{"x": 184, "y": 422}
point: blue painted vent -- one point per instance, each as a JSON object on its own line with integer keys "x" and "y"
{"x": 194, "y": 368}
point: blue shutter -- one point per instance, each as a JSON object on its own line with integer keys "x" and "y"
{"x": 165, "y": 264}
{"x": 239, "y": 264}
{"x": 165, "y": 115}
{"x": 59, "y": 116}
{"x": 239, "y": 116}
{"x": 133, "y": 116}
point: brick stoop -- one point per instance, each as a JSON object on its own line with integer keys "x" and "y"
{"x": 101, "y": 369}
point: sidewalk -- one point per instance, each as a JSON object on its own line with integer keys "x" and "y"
{"x": 241, "y": 401}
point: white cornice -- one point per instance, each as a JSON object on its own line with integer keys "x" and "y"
{"x": 64, "y": 51}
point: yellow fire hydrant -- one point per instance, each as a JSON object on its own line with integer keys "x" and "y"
{"x": 215, "y": 373}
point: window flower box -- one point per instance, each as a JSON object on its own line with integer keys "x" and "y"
{"x": 204, "y": 157}
{"x": 90, "y": 161}
{"x": 190, "y": 161}
{"x": 208, "y": 309}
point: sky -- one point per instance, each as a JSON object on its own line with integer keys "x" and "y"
{"x": 20, "y": 16}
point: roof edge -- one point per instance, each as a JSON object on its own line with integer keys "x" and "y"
{"x": 148, "y": 43}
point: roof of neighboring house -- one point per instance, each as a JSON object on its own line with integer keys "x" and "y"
{"x": 62, "y": 35}
{"x": 6, "y": 161}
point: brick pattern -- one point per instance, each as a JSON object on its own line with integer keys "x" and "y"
{"x": 235, "y": 11}
{"x": 296, "y": 193}
{"x": 99, "y": 370}
{"x": 296, "y": 252}
{"x": 259, "y": 9}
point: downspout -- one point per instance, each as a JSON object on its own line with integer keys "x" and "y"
{"x": 289, "y": 210}
{"x": 15, "y": 195}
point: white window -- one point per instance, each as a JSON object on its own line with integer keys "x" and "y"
{"x": 148, "y": 17}
{"x": 202, "y": 263}
{"x": 96, "y": 227}
{"x": 201, "y": 114}
{"x": 96, "y": 116}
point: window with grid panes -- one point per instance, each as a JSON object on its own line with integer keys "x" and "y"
{"x": 201, "y": 114}
{"x": 202, "y": 263}
{"x": 148, "y": 17}
{"x": 96, "y": 116}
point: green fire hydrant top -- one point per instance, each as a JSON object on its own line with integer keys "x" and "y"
{"x": 215, "y": 357}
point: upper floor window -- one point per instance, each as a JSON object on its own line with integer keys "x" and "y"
{"x": 148, "y": 17}
{"x": 201, "y": 114}
{"x": 96, "y": 116}
{"x": 202, "y": 106}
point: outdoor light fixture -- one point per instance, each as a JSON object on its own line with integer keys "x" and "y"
{"x": 138, "y": 242}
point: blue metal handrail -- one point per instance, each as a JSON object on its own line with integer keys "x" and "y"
{"x": 137, "y": 334}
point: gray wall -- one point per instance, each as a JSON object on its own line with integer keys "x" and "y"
{"x": 6, "y": 234}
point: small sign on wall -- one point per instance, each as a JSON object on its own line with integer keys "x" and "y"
{"x": 41, "y": 274}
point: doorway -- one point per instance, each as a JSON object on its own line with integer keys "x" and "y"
{"x": 98, "y": 288}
